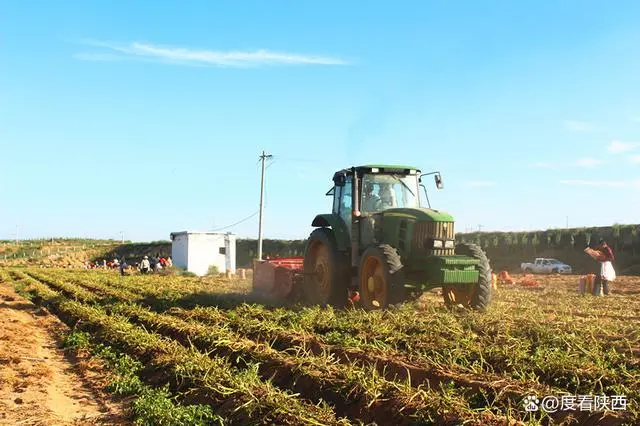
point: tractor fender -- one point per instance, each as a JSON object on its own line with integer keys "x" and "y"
{"x": 336, "y": 223}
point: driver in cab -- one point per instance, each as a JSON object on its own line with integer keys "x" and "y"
{"x": 386, "y": 197}
{"x": 371, "y": 201}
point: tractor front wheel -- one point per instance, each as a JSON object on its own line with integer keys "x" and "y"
{"x": 324, "y": 270}
{"x": 476, "y": 296}
{"x": 381, "y": 278}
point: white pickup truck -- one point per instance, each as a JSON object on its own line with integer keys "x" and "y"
{"x": 546, "y": 266}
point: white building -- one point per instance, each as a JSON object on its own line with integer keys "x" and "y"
{"x": 197, "y": 251}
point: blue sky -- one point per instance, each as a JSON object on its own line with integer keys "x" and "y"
{"x": 148, "y": 117}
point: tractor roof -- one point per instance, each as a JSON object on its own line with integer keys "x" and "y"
{"x": 382, "y": 168}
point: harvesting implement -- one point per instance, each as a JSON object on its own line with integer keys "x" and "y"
{"x": 380, "y": 242}
{"x": 279, "y": 278}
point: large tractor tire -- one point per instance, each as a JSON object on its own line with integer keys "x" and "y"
{"x": 325, "y": 270}
{"x": 479, "y": 295}
{"x": 381, "y": 277}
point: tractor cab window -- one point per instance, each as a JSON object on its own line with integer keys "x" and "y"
{"x": 385, "y": 191}
{"x": 335, "y": 193}
{"x": 345, "y": 204}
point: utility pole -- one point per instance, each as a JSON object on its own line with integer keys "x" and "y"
{"x": 122, "y": 236}
{"x": 479, "y": 228}
{"x": 17, "y": 239}
{"x": 263, "y": 157}
{"x": 567, "y": 222}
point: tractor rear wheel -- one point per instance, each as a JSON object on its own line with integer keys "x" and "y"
{"x": 381, "y": 277}
{"x": 477, "y": 296}
{"x": 324, "y": 270}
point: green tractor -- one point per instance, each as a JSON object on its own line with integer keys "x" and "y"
{"x": 378, "y": 241}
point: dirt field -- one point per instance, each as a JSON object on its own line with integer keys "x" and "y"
{"x": 229, "y": 360}
{"x": 39, "y": 385}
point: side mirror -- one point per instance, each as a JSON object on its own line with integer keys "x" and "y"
{"x": 339, "y": 179}
{"x": 438, "y": 180}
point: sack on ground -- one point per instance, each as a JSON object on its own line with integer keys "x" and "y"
{"x": 586, "y": 284}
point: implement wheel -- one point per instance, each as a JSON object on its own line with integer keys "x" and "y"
{"x": 475, "y": 296}
{"x": 381, "y": 277}
{"x": 324, "y": 270}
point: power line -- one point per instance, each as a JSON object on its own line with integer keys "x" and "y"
{"x": 237, "y": 223}
{"x": 270, "y": 159}
{"x": 266, "y": 157}
{"x": 271, "y": 162}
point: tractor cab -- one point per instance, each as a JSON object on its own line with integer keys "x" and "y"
{"x": 376, "y": 188}
{"x": 364, "y": 196}
{"x": 376, "y": 191}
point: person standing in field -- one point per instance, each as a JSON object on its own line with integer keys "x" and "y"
{"x": 607, "y": 273}
{"x": 123, "y": 266}
{"x": 154, "y": 263}
{"x": 144, "y": 265}
{"x": 169, "y": 262}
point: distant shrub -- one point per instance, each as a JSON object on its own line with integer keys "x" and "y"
{"x": 213, "y": 270}
{"x": 177, "y": 272}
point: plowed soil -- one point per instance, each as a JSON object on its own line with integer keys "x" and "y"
{"x": 39, "y": 383}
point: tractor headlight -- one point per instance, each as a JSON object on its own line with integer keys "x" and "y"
{"x": 437, "y": 243}
{"x": 449, "y": 244}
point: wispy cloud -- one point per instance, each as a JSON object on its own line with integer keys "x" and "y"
{"x": 618, "y": 146}
{"x": 141, "y": 51}
{"x": 587, "y": 162}
{"x": 578, "y": 126}
{"x": 634, "y": 159}
{"x": 479, "y": 183}
{"x": 603, "y": 183}
{"x": 635, "y": 118}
